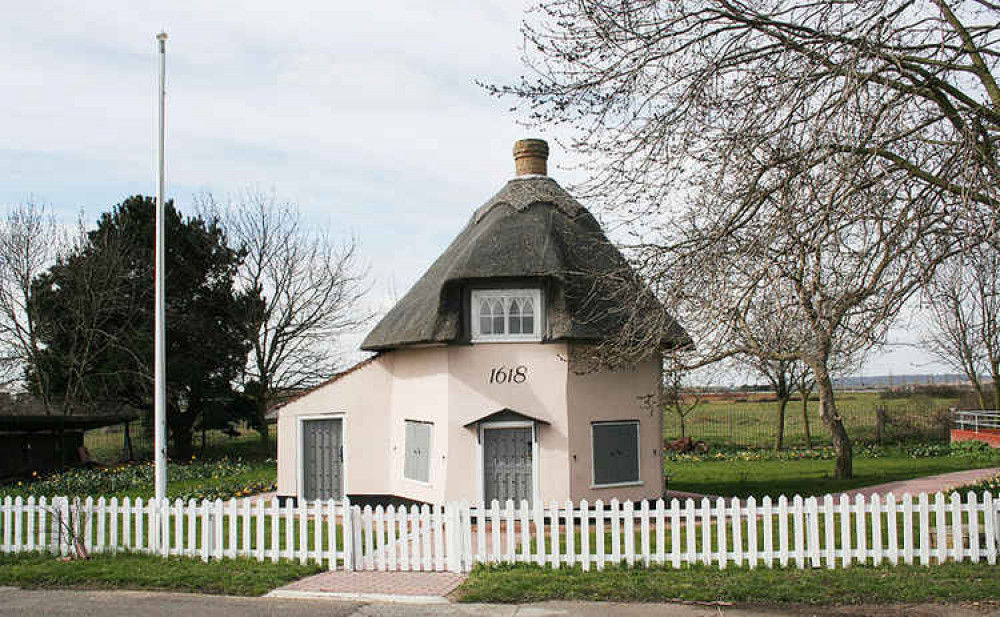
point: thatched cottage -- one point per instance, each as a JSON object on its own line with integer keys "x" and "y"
{"x": 478, "y": 388}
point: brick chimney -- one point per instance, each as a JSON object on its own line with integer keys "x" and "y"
{"x": 531, "y": 157}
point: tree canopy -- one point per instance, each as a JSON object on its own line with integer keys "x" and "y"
{"x": 94, "y": 315}
{"x": 811, "y": 160}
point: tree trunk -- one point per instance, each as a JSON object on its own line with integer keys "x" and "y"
{"x": 996, "y": 388}
{"x": 183, "y": 438}
{"x": 844, "y": 469}
{"x": 981, "y": 395}
{"x": 805, "y": 419}
{"x": 683, "y": 428}
{"x": 260, "y": 420}
{"x": 181, "y": 427}
{"x": 779, "y": 441}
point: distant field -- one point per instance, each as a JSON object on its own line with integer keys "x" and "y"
{"x": 753, "y": 423}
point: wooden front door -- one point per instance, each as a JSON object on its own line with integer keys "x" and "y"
{"x": 507, "y": 464}
{"x": 322, "y": 459}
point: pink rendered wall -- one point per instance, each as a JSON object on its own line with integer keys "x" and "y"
{"x": 542, "y": 394}
{"x": 360, "y": 396}
{"x": 450, "y": 387}
{"x": 621, "y": 395}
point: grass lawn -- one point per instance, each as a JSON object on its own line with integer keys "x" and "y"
{"x": 858, "y": 585}
{"x": 242, "y": 577}
{"x": 742, "y": 478}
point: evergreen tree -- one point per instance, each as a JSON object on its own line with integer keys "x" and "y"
{"x": 94, "y": 308}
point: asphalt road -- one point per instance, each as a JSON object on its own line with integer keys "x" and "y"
{"x": 64, "y": 603}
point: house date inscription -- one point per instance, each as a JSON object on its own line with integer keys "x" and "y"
{"x": 514, "y": 374}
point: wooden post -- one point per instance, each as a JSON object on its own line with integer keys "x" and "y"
{"x": 880, "y": 421}
{"x": 127, "y": 446}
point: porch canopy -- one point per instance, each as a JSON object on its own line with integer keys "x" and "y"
{"x": 506, "y": 415}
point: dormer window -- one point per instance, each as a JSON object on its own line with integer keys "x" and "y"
{"x": 506, "y": 315}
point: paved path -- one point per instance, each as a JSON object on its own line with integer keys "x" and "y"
{"x": 58, "y": 603}
{"x": 413, "y": 587}
{"x": 929, "y": 484}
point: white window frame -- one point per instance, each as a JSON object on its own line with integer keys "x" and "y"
{"x": 638, "y": 454}
{"x": 430, "y": 449}
{"x": 477, "y": 295}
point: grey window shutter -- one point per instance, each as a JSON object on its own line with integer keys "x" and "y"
{"x": 418, "y": 445}
{"x": 616, "y": 453}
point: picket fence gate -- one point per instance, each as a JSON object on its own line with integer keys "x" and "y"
{"x": 803, "y": 532}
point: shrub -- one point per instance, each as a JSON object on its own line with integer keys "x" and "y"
{"x": 991, "y": 484}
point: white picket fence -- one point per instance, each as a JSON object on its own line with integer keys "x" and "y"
{"x": 801, "y": 532}
{"x": 207, "y": 529}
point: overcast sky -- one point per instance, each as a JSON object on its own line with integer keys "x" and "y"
{"x": 364, "y": 113}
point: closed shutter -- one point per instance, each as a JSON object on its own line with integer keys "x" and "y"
{"x": 417, "y": 463}
{"x": 616, "y": 452}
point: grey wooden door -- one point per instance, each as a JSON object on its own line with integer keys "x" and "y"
{"x": 322, "y": 459}
{"x": 507, "y": 464}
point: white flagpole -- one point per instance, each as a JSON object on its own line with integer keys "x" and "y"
{"x": 159, "y": 360}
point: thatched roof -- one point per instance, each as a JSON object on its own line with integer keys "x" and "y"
{"x": 532, "y": 229}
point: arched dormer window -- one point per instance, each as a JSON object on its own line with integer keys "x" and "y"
{"x": 506, "y": 315}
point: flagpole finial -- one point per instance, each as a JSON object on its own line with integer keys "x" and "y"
{"x": 162, "y": 36}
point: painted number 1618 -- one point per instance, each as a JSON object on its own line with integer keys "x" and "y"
{"x": 502, "y": 375}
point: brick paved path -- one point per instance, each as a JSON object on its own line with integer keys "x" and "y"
{"x": 399, "y": 586}
{"x": 929, "y": 484}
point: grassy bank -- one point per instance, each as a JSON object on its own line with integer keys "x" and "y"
{"x": 735, "y": 476}
{"x": 241, "y": 577}
{"x": 858, "y": 585}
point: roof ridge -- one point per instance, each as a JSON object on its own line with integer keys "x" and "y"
{"x": 524, "y": 191}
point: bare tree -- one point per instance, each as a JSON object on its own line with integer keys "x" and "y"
{"x": 773, "y": 332}
{"x": 679, "y": 398}
{"x": 309, "y": 288}
{"x": 30, "y": 240}
{"x": 810, "y": 156}
{"x": 785, "y": 378}
{"x": 657, "y": 93}
{"x": 806, "y": 385}
{"x": 964, "y": 306}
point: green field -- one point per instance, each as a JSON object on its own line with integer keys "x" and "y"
{"x": 754, "y": 424}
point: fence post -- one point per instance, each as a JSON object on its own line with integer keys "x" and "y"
{"x": 453, "y": 538}
{"x": 359, "y": 563}
{"x": 348, "y": 534}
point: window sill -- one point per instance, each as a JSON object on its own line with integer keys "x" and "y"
{"x": 617, "y": 484}
{"x": 518, "y": 339}
{"x": 419, "y": 482}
